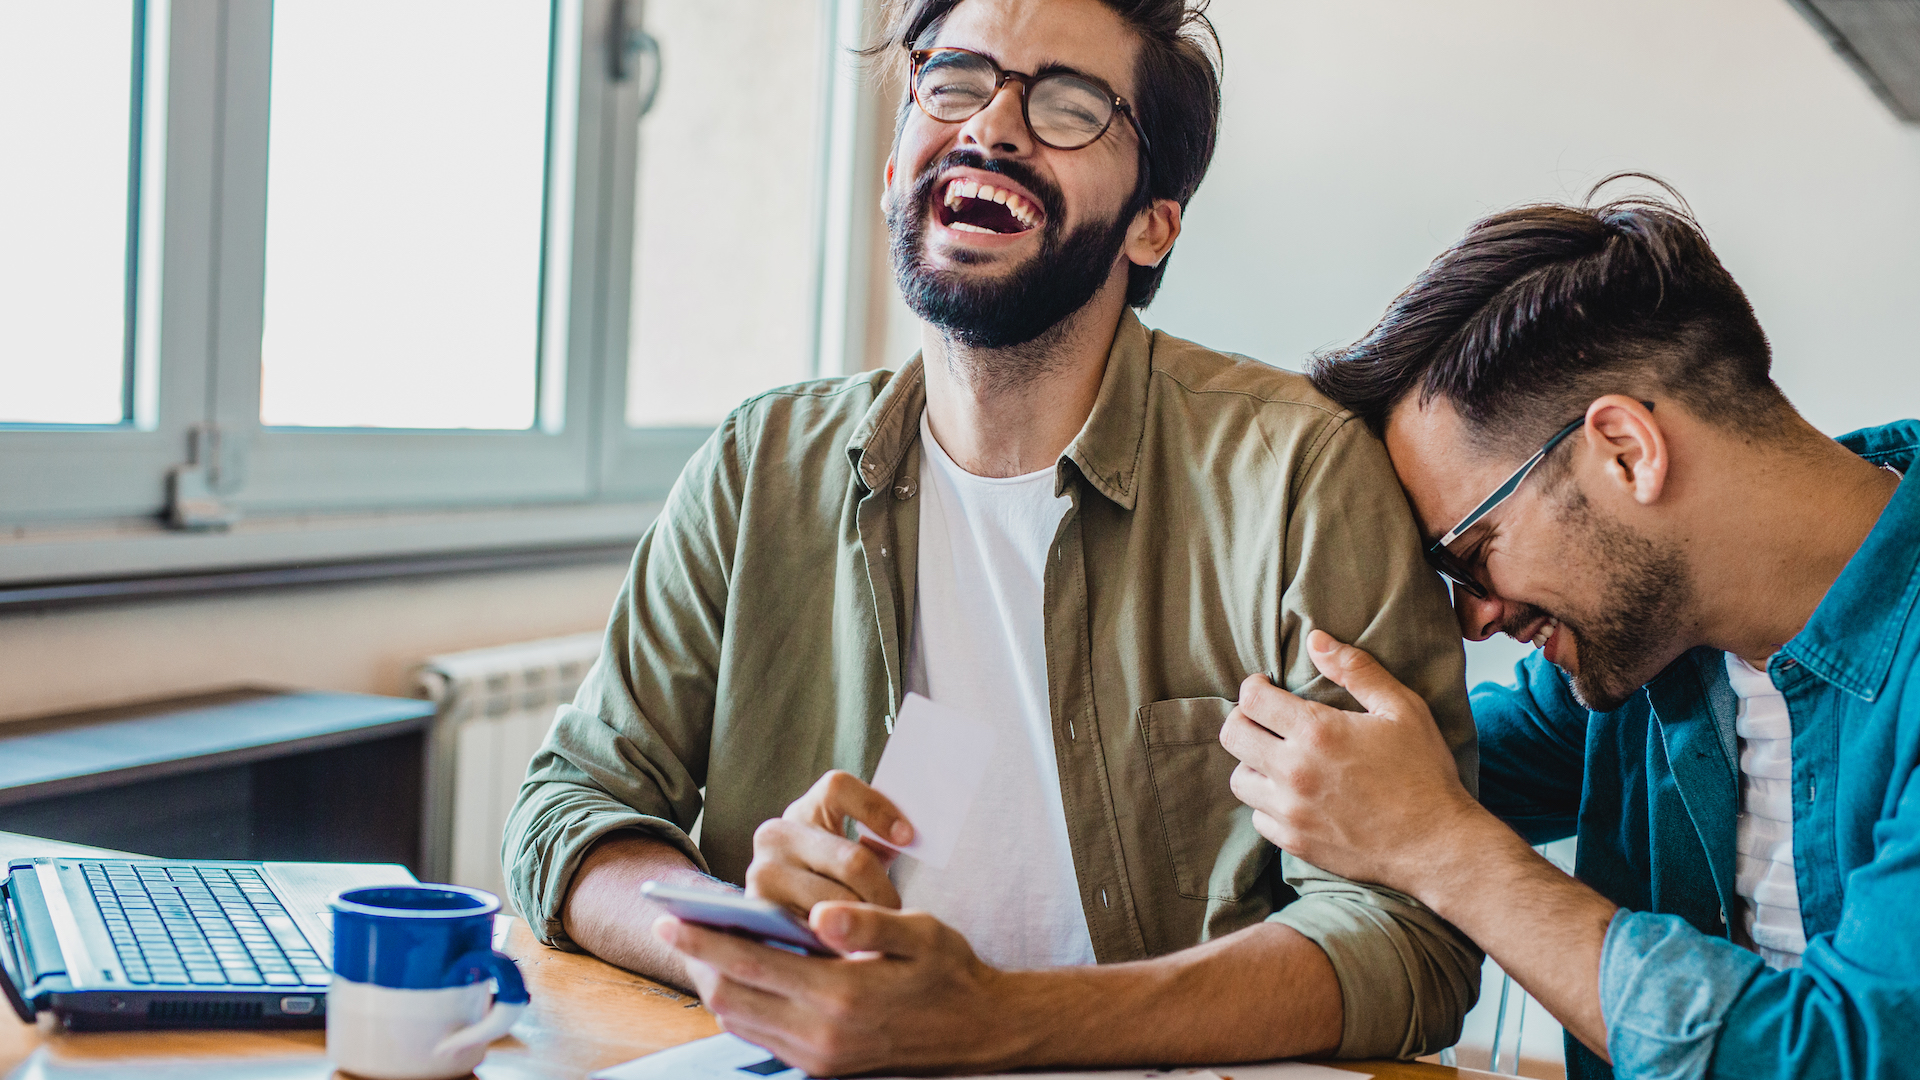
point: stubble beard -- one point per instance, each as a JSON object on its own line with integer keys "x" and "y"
{"x": 1636, "y": 631}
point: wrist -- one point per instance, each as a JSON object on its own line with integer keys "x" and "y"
{"x": 1460, "y": 847}
{"x": 1022, "y": 1010}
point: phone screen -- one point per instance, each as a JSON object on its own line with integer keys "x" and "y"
{"x": 760, "y": 920}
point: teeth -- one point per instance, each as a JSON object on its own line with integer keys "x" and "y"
{"x": 1545, "y": 633}
{"x": 964, "y": 227}
{"x": 1022, "y": 210}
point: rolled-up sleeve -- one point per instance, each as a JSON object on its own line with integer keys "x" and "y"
{"x": 1407, "y": 977}
{"x": 631, "y": 751}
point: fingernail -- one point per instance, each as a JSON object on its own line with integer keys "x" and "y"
{"x": 837, "y": 923}
{"x": 902, "y": 832}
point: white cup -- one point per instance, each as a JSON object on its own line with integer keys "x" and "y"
{"x": 383, "y": 1033}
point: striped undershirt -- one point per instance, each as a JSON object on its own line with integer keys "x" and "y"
{"x": 1763, "y": 839}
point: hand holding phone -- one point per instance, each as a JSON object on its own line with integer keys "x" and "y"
{"x": 745, "y": 916}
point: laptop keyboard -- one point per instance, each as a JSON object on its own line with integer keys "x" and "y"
{"x": 200, "y": 925}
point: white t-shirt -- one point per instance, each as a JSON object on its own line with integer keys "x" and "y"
{"x": 979, "y": 646}
{"x": 1763, "y": 838}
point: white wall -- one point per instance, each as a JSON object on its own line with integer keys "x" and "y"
{"x": 362, "y": 637}
{"x": 1361, "y": 137}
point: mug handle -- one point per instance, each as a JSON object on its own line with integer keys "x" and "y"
{"x": 509, "y": 1001}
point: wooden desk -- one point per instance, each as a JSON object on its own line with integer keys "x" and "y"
{"x": 586, "y": 1015}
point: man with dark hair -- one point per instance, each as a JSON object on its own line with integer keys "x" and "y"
{"x": 1074, "y": 530}
{"x": 1725, "y": 704}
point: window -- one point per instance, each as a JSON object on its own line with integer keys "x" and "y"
{"x": 336, "y": 279}
{"x": 404, "y": 223}
{"x": 69, "y": 129}
{"x": 743, "y": 210}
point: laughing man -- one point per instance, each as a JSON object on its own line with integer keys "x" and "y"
{"x": 1074, "y": 529}
{"x": 1725, "y": 706}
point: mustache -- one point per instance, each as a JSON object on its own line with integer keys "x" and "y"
{"x": 1520, "y": 620}
{"x": 1017, "y": 171}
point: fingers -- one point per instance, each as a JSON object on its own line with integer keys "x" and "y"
{"x": 1274, "y": 709}
{"x": 1371, "y": 685}
{"x": 800, "y": 865}
{"x": 863, "y": 928}
{"x": 839, "y": 795}
{"x": 735, "y": 959}
{"x": 1247, "y": 740}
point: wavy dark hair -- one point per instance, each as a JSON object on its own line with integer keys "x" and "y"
{"x": 1539, "y": 310}
{"x": 1176, "y": 96}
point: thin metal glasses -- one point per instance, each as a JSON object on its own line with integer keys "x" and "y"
{"x": 1063, "y": 109}
{"x": 1453, "y": 567}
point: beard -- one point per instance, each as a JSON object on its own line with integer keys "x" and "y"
{"x": 1637, "y": 633}
{"x": 1017, "y": 307}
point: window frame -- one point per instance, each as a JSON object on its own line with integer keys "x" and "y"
{"x": 89, "y": 503}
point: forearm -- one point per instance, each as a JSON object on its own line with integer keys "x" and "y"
{"x": 1263, "y": 992}
{"x": 1542, "y": 927}
{"x": 605, "y": 914}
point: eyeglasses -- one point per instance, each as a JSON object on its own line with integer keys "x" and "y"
{"x": 1063, "y": 109}
{"x": 1453, "y": 567}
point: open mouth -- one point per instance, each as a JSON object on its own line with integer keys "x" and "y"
{"x": 971, "y": 206}
{"x": 1545, "y": 634}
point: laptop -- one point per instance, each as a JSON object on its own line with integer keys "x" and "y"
{"x": 115, "y": 944}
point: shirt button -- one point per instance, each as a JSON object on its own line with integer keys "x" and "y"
{"x": 904, "y": 491}
{"x": 883, "y": 553}
{"x": 1723, "y": 916}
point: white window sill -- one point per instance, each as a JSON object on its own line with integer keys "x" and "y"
{"x": 144, "y": 548}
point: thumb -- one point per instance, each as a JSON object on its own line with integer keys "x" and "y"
{"x": 1361, "y": 675}
{"x": 865, "y": 928}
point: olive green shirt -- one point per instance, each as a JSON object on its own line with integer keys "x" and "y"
{"x": 1221, "y": 510}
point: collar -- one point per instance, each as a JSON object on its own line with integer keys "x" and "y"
{"x": 891, "y": 425}
{"x": 1106, "y": 452}
{"x": 1850, "y": 639}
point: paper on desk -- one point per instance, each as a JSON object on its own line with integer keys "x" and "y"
{"x": 1274, "y": 1070}
{"x": 729, "y": 1057}
{"x": 718, "y": 1057}
{"x": 931, "y": 769}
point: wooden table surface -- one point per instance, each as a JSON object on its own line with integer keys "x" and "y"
{"x": 586, "y": 1015}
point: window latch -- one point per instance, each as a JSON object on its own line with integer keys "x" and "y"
{"x": 635, "y": 52}
{"x": 194, "y": 490}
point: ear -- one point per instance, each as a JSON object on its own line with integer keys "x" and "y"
{"x": 1623, "y": 432}
{"x": 1153, "y": 232}
{"x": 886, "y": 187}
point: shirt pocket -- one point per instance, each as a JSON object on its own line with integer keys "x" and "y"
{"x": 1216, "y": 853}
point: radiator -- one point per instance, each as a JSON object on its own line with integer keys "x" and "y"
{"x": 494, "y": 708}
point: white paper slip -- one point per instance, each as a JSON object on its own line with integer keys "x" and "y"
{"x": 931, "y": 769}
{"x": 729, "y": 1057}
{"x": 718, "y": 1057}
{"x": 1101, "y": 1075}
{"x": 1273, "y": 1070}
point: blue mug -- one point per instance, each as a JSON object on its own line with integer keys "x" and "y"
{"x": 413, "y": 968}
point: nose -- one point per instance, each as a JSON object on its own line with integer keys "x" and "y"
{"x": 1479, "y": 619}
{"x": 1001, "y": 127}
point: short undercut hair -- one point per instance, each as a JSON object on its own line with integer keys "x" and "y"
{"x": 1537, "y": 311}
{"x": 1176, "y": 97}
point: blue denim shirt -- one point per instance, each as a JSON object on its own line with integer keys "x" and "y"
{"x": 1652, "y": 789}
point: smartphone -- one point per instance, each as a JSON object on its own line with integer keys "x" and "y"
{"x": 759, "y": 920}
